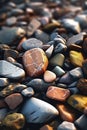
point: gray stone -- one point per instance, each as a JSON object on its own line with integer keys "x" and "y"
{"x": 9, "y": 70}
{"x": 28, "y": 92}
{"x": 31, "y": 43}
{"x": 58, "y": 71}
{"x": 38, "y": 111}
{"x": 49, "y": 51}
{"x": 11, "y": 21}
{"x": 3, "y": 82}
{"x": 3, "y": 113}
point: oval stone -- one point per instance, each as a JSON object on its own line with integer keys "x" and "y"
{"x": 38, "y": 111}
{"x": 35, "y": 62}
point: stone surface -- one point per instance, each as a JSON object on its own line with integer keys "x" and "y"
{"x": 14, "y": 100}
{"x": 49, "y": 76}
{"x": 66, "y": 126}
{"x": 9, "y": 70}
{"x": 28, "y": 92}
{"x": 38, "y": 111}
{"x": 13, "y": 121}
{"x": 78, "y": 102}
{"x": 76, "y": 58}
{"x": 57, "y": 93}
{"x": 31, "y": 43}
{"x": 35, "y": 62}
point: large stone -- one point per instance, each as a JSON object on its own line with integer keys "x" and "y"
{"x": 14, "y": 121}
{"x": 78, "y": 102}
{"x": 9, "y": 70}
{"x": 38, "y": 111}
{"x": 35, "y": 62}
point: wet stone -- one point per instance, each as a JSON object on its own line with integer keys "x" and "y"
{"x": 3, "y": 82}
{"x": 14, "y": 121}
{"x": 11, "y": 35}
{"x": 78, "y": 102}
{"x": 38, "y": 111}
{"x": 14, "y": 100}
{"x": 66, "y": 126}
{"x": 35, "y": 62}
{"x": 56, "y": 93}
{"x": 49, "y": 76}
{"x": 28, "y": 92}
{"x": 9, "y": 70}
{"x": 31, "y": 43}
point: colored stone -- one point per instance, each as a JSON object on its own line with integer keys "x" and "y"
{"x": 49, "y": 76}
{"x": 9, "y": 70}
{"x": 76, "y": 58}
{"x": 78, "y": 102}
{"x": 14, "y": 100}
{"x": 38, "y": 111}
{"x": 56, "y": 93}
{"x": 35, "y": 62}
{"x": 14, "y": 121}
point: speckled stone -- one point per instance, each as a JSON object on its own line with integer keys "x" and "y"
{"x": 9, "y": 70}
{"x": 28, "y": 92}
{"x": 35, "y": 62}
{"x": 14, "y": 121}
{"x": 38, "y": 111}
{"x": 49, "y": 76}
{"x": 82, "y": 86}
{"x": 56, "y": 93}
{"x": 65, "y": 125}
{"x": 31, "y": 43}
{"x": 76, "y": 58}
{"x": 14, "y": 100}
{"x": 57, "y": 60}
{"x": 78, "y": 102}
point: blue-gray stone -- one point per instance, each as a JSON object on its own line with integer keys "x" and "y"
{"x": 38, "y": 111}
{"x": 31, "y": 43}
{"x": 9, "y": 70}
{"x": 3, "y": 82}
{"x": 3, "y": 113}
{"x": 66, "y": 126}
{"x": 28, "y": 92}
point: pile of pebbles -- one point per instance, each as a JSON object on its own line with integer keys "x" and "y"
{"x": 43, "y": 65}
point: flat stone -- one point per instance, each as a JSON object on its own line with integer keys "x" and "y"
{"x": 9, "y": 70}
{"x": 58, "y": 71}
{"x": 71, "y": 24}
{"x": 76, "y": 39}
{"x": 10, "y": 35}
{"x": 31, "y": 43}
{"x": 81, "y": 122}
{"x": 78, "y": 102}
{"x": 82, "y": 86}
{"x": 57, "y": 60}
{"x": 76, "y": 58}
{"x": 49, "y": 76}
{"x": 38, "y": 111}
{"x": 28, "y": 92}
{"x": 84, "y": 67}
{"x": 65, "y": 125}
{"x": 14, "y": 100}
{"x": 44, "y": 37}
{"x": 35, "y": 62}
{"x": 66, "y": 112}
{"x": 56, "y": 93}
{"x": 14, "y": 121}
{"x": 3, "y": 82}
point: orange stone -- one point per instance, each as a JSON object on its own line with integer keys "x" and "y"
{"x": 35, "y": 62}
{"x": 57, "y": 93}
{"x": 66, "y": 112}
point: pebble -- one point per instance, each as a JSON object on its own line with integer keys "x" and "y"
{"x": 56, "y": 93}
{"x": 35, "y": 62}
{"x": 38, "y": 111}
{"x": 31, "y": 43}
{"x": 49, "y": 76}
{"x": 57, "y": 59}
{"x": 11, "y": 21}
{"x": 49, "y": 51}
{"x": 28, "y": 92}
{"x": 65, "y": 125}
{"x": 58, "y": 71}
{"x": 11, "y": 71}
{"x": 14, "y": 100}
{"x": 78, "y": 101}
{"x": 76, "y": 58}
{"x": 3, "y": 113}
{"x": 13, "y": 121}
{"x": 11, "y": 35}
{"x": 3, "y": 82}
